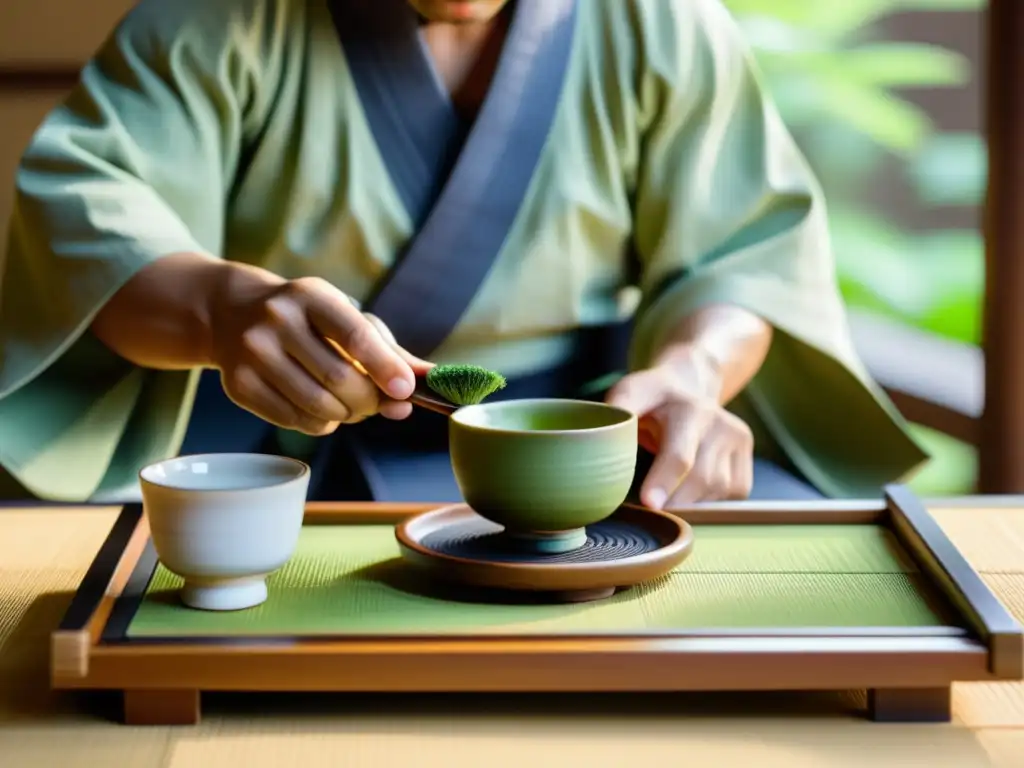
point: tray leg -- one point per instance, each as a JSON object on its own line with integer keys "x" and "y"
{"x": 169, "y": 707}
{"x": 910, "y": 705}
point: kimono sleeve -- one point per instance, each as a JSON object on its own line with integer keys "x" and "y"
{"x": 728, "y": 212}
{"x": 134, "y": 165}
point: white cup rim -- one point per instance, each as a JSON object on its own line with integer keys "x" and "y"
{"x": 302, "y": 472}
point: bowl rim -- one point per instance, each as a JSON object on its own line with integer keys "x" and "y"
{"x": 300, "y": 476}
{"x": 460, "y": 414}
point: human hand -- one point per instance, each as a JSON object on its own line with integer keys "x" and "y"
{"x": 702, "y": 452}
{"x": 272, "y": 342}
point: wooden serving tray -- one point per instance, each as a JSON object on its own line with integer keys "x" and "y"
{"x": 776, "y": 596}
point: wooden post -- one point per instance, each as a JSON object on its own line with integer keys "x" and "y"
{"x": 1001, "y": 448}
{"x": 910, "y": 705}
{"x": 177, "y": 707}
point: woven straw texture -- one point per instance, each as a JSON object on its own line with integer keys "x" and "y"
{"x": 44, "y": 553}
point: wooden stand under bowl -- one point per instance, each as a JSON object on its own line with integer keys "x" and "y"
{"x": 124, "y": 633}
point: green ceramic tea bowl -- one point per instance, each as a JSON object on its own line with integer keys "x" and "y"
{"x": 544, "y": 469}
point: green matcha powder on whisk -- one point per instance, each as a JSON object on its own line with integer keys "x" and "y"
{"x": 464, "y": 384}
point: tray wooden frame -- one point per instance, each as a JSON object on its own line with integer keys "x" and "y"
{"x": 908, "y": 672}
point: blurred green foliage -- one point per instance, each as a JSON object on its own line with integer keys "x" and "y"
{"x": 838, "y": 86}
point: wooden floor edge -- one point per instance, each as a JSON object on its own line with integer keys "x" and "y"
{"x": 377, "y": 511}
{"x": 701, "y": 665}
{"x": 640, "y": 676}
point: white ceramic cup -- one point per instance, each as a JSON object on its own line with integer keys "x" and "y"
{"x": 223, "y": 522}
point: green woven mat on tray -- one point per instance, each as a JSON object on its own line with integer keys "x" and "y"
{"x": 349, "y": 580}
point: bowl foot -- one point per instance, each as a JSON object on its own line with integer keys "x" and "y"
{"x": 226, "y": 595}
{"x": 546, "y": 543}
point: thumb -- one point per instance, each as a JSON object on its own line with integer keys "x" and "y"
{"x": 639, "y": 393}
{"x": 419, "y": 366}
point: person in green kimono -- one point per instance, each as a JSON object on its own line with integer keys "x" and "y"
{"x": 556, "y": 189}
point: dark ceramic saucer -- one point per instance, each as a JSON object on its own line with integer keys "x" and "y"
{"x": 456, "y": 545}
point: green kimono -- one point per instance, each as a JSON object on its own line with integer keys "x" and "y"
{"x": 624, "y": 143}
